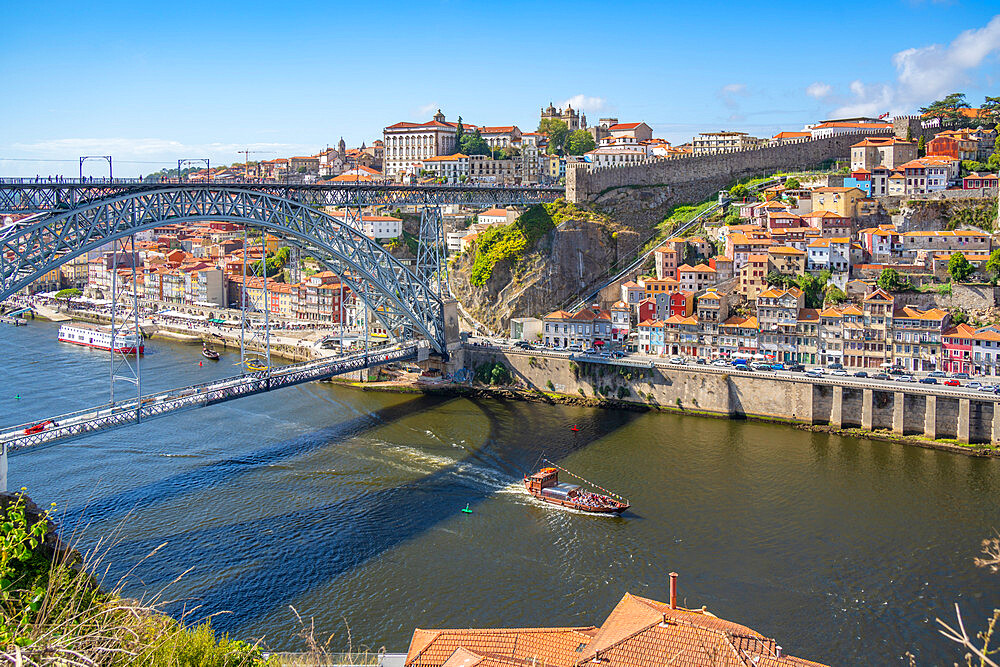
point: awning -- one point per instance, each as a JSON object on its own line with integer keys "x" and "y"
{"x": 598, "y": 343}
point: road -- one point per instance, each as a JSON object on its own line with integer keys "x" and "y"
{"x": 645, "y": 361}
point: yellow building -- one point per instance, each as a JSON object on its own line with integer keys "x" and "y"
{"x": 842, "y": 201}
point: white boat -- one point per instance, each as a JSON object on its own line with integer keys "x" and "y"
{"x": 92, "y": 335}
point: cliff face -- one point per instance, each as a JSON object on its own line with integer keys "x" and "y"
{"x": 552, "y": 270}
{"x": 911, "y": 215}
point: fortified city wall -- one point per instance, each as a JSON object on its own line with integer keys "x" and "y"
{"x": 652, "y": 187}
{"x": 908, "y": 410}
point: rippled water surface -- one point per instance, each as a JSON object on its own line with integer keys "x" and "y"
{"x": 346, "y": 505}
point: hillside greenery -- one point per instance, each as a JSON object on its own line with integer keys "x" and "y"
{"x": 513, "y": 241}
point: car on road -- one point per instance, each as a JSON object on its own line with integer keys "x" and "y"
{"x": 590, "y": 350}
{"x": 796, "y": 368}
{"x": 617, "y": 354}
{"x": 928, "y": 380}
{"x": 952, "y": 382}
{"x": 937, "y": 374}
{"x": 813, "y": 373}
{"x": 880, "y": 376}
{"x": 860, "y": 374}
{"x": 835, "y": 366}
{"x": 699, "y": 360}
{"x": 605, "y": 355}
{"x": 523, "y": 344}
{"x": 960, "y": 376}
{"x": 575, "y": 348}
{"x": 777, "y": 367}
{"x": 760, "y": 366}
{"x": 839, "y": 372}
{"x": 739, "y": 362}
{"x": 987, "y": 387}
{"x": 675, "y": 360}
{"x": 974, "y": 385}
{"x": 720, "y": 362}
{"x": 904, "y": 378}
{"x": 817, "y": 369}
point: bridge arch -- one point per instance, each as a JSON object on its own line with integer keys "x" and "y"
{"x": 397, "y": 297}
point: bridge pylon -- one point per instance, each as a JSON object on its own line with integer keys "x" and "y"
{"x": 255, "y": 308}
{"x": 126, "y": 336}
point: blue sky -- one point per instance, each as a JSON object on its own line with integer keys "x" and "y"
{"x": 154, "y": 82}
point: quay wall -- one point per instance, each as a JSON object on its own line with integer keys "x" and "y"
{"x": 932, "y": 413}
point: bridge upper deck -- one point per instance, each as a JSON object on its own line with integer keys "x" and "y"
{"x": 27, "y": 195}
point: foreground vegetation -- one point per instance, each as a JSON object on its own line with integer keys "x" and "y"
{"x": 53, "y": 610}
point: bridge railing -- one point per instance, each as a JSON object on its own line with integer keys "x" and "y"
{"x": 106, "y": 416}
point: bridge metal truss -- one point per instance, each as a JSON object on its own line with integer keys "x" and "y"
{"x": 396, "y": 296}
{"x": 106, "y": 417}
{"x": 24, "y": 196}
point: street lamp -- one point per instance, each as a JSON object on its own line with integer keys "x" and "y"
{"x": 84, "y": 158}
{"x": 208, "y": 166}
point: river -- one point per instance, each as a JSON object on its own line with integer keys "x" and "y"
{"x": 346, "y": 505}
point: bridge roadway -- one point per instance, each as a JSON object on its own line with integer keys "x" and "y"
{"x": 24, "y": 195}
{"x": 61, "y": 428}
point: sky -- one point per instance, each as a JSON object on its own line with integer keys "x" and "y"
{"x": 151, "y": 83}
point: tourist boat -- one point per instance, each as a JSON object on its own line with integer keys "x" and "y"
{"x": 92, "y": 335}
{"x": 209, "y": 353}
{"x": 545, "y": 485}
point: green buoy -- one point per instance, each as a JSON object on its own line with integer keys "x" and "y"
{"x": 466, "y": 509}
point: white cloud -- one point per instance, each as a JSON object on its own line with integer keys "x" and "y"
{"x": 819, "y": 90}
{"x": 735, "y": 89}
{"x": 926, "y": 73}
{"x": 730, "y": 93}
{"x": 427, "y": 109}
{"x": 585, "y": 103}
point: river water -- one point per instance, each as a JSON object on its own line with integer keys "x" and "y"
{"x": 346, "y": 505}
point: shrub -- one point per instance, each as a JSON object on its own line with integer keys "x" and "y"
{"x": 623, "y": 392}
{"x": 551, "y": 386}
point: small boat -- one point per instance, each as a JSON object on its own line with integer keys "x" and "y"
{"x": 545, "y": 485}
{"x": 209, "y": 353}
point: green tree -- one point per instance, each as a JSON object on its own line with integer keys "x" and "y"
{"x": 739, "y": 191}
{"x": 557, "y": 131}
{"x": 972, "y": 165}
{"x": 474, "y": 144}
{"x": 959, "y": 268}
{"x": 834, "y": 294}
{"x": 459, "y": 135}
{"x": 889, "y": 281}
{"x": 812, "y": 288}
{"x": 921, "y": 146}
{"x": 792, "y": 183}
{"x": 947, "y": 109}
{"x": 579, "y": 142}
{"x": 301, "y": 170}
{"x": 989, "y": 112}
{"x": 993, "y": 266}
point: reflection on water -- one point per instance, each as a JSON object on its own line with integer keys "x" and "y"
{"x": 346, "y": 505}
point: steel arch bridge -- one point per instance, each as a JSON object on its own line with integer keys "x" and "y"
{"x": 398, "y": 296}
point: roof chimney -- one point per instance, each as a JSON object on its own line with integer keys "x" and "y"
{"x": 673, "y": 590}
{"x": 777, "y": 651}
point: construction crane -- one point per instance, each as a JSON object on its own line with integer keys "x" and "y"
{"x": 246, "y": 158}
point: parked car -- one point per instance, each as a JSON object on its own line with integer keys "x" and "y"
{"x": 835, "y": 366}
{"x": 796, "y": 368}
{"x": 928, "y": 380}
{"x": 952, "y": 382}
{"x": 523, "y": 344}
{"x": 839, "y": 372}
{"x": 987, "y": 387}
{"x": 973, "y": 385}
{"x": 590, "y": 350}
{"x": 760, "y": 366}
{"x": 720, "y": 362}
{"x": 880, "y": 376}
{"x": 904, "y": 378}
{"x": 739, "y": 362}
{"x": 605, "y": 355}
{"x": 575, "y": 348}
{"x": 813, "y": 373}
{"x": 777, "y": 367}
{"x": 860, "y": 374}
{"x": 699, "y": 360}
{"x": 937, "y": 374}
{"x": 817, "y": 369}
{"x": 897, "y": 371}
{"x": 960, "y": 376}
{"x": 675, "y": 360}
{"x": 617, "y": 354}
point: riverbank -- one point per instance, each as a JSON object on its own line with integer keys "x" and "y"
{"x": 412, "y": 386}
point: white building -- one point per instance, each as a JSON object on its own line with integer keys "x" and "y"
{"x": 406, "y": 144}
{"x": 452, "y": 168}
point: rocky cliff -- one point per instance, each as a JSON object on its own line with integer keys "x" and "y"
{"x": 565, "y": 247}
{"x": 911, "y": 215}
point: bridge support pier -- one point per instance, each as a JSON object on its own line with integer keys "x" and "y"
{"x": 867, "y": 411}
{"x": 930, "y": 417}
{"x": 964, "y": 408}
{"x": 837, "y": 407}
{"x": 898, "y": 416}
{"x": 3, "y": 469}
